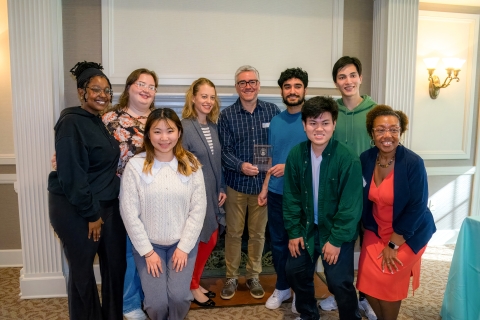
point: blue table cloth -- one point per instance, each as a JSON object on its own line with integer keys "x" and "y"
{"x": 462, "y": 294}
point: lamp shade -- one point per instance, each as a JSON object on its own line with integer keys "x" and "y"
{"x": 431, "y": 63}
{"x": 453, "y": 63}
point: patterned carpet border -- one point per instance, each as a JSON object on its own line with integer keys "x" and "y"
{"x": 425, "y": 305}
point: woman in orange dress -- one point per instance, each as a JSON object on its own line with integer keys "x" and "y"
{"x": 397, "y": 221}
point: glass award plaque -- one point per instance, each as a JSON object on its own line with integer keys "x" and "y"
{"x": 262, "y": 156}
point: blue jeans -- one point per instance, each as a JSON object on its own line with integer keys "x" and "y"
{"x": 300, "y": 272}
{"x": 132, "y": 288}
{"x": 278, "y": 238}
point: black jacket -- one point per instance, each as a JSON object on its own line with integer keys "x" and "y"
{"x": 87, "y": 159}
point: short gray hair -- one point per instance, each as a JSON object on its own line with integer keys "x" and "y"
{"x": 246, "y": 68}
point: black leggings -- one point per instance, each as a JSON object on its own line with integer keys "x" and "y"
{"x": 72, "y": 229}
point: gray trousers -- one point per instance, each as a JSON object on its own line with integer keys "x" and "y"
{"x": 168, "y": 296}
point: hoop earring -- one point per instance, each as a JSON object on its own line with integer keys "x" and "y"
{"x": 372, "y": 143}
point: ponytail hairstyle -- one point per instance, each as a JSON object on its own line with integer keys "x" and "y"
{"x": 187, "y": 162}
{"x": 84, "y": 72}
{"x": 189, "y": 111}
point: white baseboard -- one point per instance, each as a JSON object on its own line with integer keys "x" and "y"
{"x": 43, "y": 286}
{"x": 11, "y": 258}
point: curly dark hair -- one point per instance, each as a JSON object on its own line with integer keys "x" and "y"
{"x": 293, "y": 73}
{"x": 384, "y": 110}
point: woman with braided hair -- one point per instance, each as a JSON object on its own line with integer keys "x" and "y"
{"x": 83, "y": 199}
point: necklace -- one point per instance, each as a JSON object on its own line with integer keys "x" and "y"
{"x": 137, "y": 117}
{"x": 385, "y": 165}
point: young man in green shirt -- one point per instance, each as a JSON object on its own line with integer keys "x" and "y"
{"x": 322, "y": 205}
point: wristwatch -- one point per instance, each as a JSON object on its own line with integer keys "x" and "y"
{"x": 393, "y": 245}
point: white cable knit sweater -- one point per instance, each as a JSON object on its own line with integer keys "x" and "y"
{"x": 163, "y": 207}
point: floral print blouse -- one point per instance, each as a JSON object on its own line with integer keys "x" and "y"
{"x": 128, "y": 131}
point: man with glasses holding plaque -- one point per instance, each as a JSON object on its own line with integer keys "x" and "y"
{"x": 241, "y": 127}
{"x": 285, "y": 132}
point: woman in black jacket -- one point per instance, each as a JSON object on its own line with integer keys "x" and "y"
{"x": 83, "y": 199}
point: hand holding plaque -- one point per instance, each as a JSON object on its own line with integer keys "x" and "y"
{"x": 262, "y": 157}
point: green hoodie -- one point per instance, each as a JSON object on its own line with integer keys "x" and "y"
{"x": 351, "y": 129}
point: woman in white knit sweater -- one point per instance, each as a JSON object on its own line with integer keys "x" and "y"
{"x": 163, "y": 205}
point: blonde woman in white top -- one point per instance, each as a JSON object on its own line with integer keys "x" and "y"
{"x": 163, "y": 205}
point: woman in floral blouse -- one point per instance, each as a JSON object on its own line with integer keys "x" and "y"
{"x": 126, "y": 122}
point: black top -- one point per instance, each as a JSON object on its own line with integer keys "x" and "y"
{"x": 87, "y": 159}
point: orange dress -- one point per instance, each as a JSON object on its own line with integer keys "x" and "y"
{"x": 371, "y": 280}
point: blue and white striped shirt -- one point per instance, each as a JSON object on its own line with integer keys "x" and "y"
{"x": 238, "y": 131}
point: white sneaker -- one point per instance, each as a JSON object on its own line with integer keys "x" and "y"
{"x": 328, "y": 304}
{"x": 277, "y": 297}
{"x": 365, "y": 307}
{"x": 294, "y": 308}
{"x": 136, "y": 314}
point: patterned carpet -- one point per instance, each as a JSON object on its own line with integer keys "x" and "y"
{"x": 425, "y": 305}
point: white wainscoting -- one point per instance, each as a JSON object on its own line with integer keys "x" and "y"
{"x": 8, "y": 178}
{"x": 443, "y": 127}
{"x": 7, "y": 159}
{"x": 183, "y": 40}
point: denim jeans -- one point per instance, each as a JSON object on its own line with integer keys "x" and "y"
{"x": 278, "y": 238}
{"x": 132, "y": 288}
{"x": 300, "y": 273}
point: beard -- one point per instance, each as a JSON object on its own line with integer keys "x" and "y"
{"x": 301, "y": 99}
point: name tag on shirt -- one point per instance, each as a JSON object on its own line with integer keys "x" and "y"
{"x": 265, "y": 125}
{"x": 364, "y": 182}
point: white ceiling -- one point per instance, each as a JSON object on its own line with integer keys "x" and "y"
{"x": 473, "y": 3}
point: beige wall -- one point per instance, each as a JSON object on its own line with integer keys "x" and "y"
{"x": 82, "y": 41}
{"x": 80, "y": 28}
{"x": 471, "y": 161}
{"x": 10, "y": 226}
{"x": 6, "y": 122}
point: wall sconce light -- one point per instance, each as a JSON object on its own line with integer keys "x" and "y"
{"x": 452, "y": 65}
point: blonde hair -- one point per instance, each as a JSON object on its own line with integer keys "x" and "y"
{"x": 187, "y": 162}
{"x": 189, "y": 111}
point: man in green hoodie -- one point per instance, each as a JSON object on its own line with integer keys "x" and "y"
{"x": 352, "y": 107}
{"x": 351, "y": 130}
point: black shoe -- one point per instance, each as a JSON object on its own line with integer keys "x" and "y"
{"x": 208, "y": 303}
{"x": 210, "y": 294}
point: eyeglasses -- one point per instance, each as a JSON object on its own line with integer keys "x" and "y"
{"x": 243, "y": 83}
{"x": 143, "y": 85}
{"x": 394, "y": 131}
{"x": 97, "y": 91}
